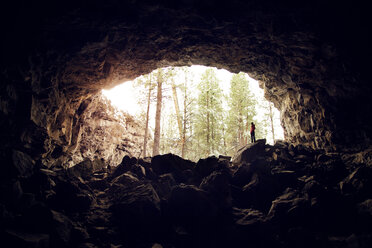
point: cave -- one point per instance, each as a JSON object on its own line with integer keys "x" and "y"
{"x": 311, "y": 58}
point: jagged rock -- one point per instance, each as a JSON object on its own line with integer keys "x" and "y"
{"x": 218, "y": 187}
{"x": 353, "y": 240}
{"x": 136, "y": 210}
{"x": 126, "y": 179}
{"x": 164, "y": 185}
{"x": 249, "y": 227}
{"x": 105, "y": 133}
{"x": 170, "y": 163}
{"x": 190, "y": 205}
{"x": 83, "y": 169}
{"x": 23, "y": 164}
{"x": 79, "y": 234}
{"x": 206, "y": 166}
{"x": 249, "y": 153}
{"x": 292, "y": 206}
{"x": 100, "y": 184}
{"x": 311, "y": 58}
{"x": 366, "y": 207}
{"x": 16, "y": 238}
{"x": 139, "y": 170}
{"x": 358, "y": 183}
{"x": 364, "y": 221}
{"x": 242, "y": 175}
{"x": 125, "y": 165}
{"x": 69, "y": 196}
{"x": 62, "y": 228}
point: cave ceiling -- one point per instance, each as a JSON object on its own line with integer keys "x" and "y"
{"x": 310, "y": 57}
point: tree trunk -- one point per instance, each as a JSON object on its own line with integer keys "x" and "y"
{"x": 272, "y": 121}
{"x": 159, "y": 97}
{"x": 176, "y": 106}
{"x": 147, "y": 121}
{"x": 183, "y": 144}
{"x": 208, "y": 144}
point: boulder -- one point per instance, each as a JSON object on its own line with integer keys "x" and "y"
{"x": 83, "y": 169}
{"x": 70, "y": 196}
{"x": 291, "y": 206}
{"x": 218, "y": 186}
{"x": 164, "y": 185}
{"x": 242, "y": 175}
{"x": 136, "y": 210}
{"x": 189, "y": 205}
{"x": 126, "y": 178}
{"x": 358, "y": 183}
{"x": 125, "y": 165}
{"x": 61, "y": 229}
{"x": 249, "y": 152}
{"x": 23, "y": 164}
{"x": 170, "y": 163}
{"x": 17, "y": 238}
{"x": 206, "y": 166}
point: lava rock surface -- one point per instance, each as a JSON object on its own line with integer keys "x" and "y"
{"x": 278, "y": 196}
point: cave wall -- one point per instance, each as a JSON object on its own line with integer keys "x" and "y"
{"x": 311, "y": 59}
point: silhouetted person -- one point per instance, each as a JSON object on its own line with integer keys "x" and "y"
{"x": 253, "y": 136}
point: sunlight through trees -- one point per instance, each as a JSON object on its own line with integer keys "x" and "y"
{"x": 197, "y": 111}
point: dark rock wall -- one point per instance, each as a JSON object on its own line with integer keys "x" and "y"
{"x": 311, "y": 59}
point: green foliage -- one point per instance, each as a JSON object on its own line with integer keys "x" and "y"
{"x": 208, "y": 121}
{"x": 211, "y": 123}
{"x": 241, "y": 103}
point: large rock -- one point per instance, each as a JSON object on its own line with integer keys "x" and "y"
{"x": 190, "y": 206}
{"x": 358, "y": 184}
{"x": 71, "y": 196}
{"x": 125, "y": 165}
{"x": 83, "y": 169}
{"x": 17, "y": 238}
{"x": 249, "y": 152}
{"x": 291, "y": 206}
{"x": 136, "y": 210}
{"x": 217, "y": 184}
{"x": 61, "y": 229}
{"x": 23, "y": 164}
{"x": 170, "y": 163}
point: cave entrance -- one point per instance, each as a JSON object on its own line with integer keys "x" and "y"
{"x": 201, "y": 111}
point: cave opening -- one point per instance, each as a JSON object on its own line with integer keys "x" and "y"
{"x": 57, "y": 188}
{"x": 239, "y": 101}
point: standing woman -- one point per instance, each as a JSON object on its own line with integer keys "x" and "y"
{"x": 253, "y": 136}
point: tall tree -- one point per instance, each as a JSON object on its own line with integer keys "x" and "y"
{"x": 271, "y": 119}
{"x": 150, "y": 87}
{"x": 241, "y": 111}
{"x": 145, "y": 88}
{"x": 159, "y": 99}
{"x": 208, "y": 120}
{"x": 187, "y": 89}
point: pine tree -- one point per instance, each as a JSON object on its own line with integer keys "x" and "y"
{"x": 241, "y": 112}
{"x": 159, "y": 100}
{"x": 208, "y": 121}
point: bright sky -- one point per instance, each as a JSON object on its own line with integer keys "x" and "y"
{"x": 124, "y": 97}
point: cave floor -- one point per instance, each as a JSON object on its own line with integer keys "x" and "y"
{"x": 266, "y": 196}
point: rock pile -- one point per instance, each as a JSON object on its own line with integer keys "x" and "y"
{"x": 267, "y": 196}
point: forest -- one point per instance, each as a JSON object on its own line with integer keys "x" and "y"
{"x": 196, "y": 115}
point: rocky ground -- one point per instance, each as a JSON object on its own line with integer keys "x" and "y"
{"x": 266, "y": 196}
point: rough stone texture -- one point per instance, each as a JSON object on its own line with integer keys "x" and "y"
{"x": 311, "y": 59}
{"x": 298, "y": 199}
{"x": 105, "y": 133}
